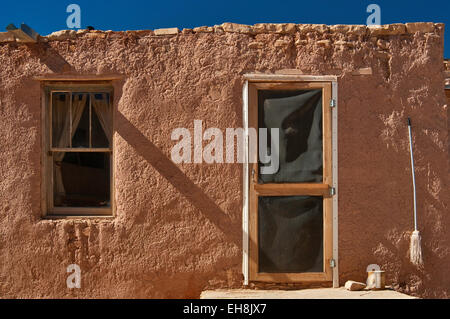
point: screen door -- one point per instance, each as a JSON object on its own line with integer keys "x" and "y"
{"x": 290, "y": 211}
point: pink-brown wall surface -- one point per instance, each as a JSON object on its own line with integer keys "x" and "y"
{"x": 177, "y": 228}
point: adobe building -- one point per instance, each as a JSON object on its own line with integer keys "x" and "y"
{"x": 87, "y": 176}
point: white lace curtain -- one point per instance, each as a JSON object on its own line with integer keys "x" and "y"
{"x": 62, "y": 133}
{"x": 61, "y": 129}
{"x": 100, "y": 103}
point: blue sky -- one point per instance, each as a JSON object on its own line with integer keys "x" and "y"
{"x": 46, "y": 16}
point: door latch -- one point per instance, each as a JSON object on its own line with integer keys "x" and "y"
{"x": 332, "y": 263}
{"x": 332, "y": 191}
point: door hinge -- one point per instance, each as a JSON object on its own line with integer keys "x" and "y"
{"x": 333, "y": 103}
{"x": 332, "y": 191}
{"x": 332, "y": 263}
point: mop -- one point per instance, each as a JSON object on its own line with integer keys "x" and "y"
{"x": 415, "y": 250}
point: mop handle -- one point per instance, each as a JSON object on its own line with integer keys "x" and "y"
{"x": 413, "y": 175}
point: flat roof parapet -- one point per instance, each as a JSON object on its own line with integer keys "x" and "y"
{"x": 259, "y": 28}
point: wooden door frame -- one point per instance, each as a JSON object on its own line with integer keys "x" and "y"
{"x": 250, "y": 260}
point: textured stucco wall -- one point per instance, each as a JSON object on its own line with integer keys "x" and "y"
{"x": 177, "y": 228}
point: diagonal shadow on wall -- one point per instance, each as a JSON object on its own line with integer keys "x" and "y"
{"x": 155, "y": 157}
{"x": 50, "y": 57}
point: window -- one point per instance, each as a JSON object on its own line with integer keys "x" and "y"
{"x": 78, "y": 150}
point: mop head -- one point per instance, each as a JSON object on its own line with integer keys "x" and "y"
{"x": 415, "y": 250}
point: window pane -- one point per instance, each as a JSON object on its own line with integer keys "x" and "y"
{"x": 298, "y": 116}
{"x": 81, "y": 179}
{"x": 60, "y": 120}
{"x": 80, "y": 120}
{"x": 290, "y": 234}
{"x": 101, "y": 120}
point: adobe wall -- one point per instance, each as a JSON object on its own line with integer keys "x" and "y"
{"x": 177, "y": 229}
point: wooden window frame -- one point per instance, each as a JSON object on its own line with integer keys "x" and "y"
{"x": 291, "y": 189}
{"x": 47, "y": 204}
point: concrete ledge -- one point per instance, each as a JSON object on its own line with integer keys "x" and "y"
{"x": 289, "y": 76}
{"x": 168, "y": 31}
{"x": 79, "y": 77}
{"x": 203, "y": 29}
{"x": 317, "y": 293}
{"x": 237, "y": 28}
{"x": 419, "y": 27}
{"x": 387, "y": 29}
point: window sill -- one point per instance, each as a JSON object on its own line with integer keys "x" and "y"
{"x": 77, "y": 217}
